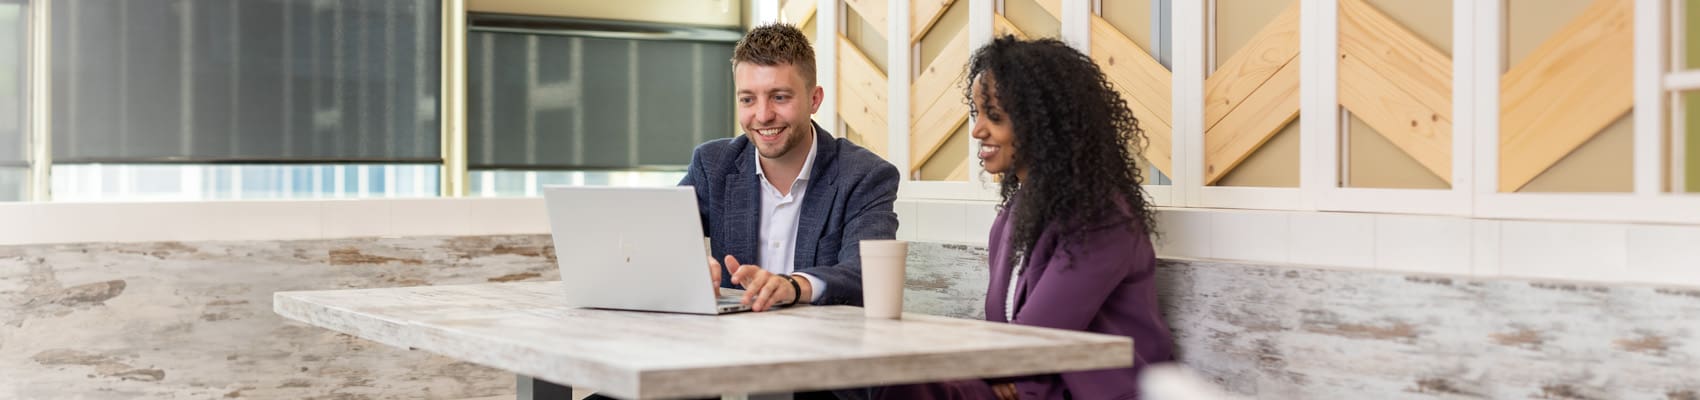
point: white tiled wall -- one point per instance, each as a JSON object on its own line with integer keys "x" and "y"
{"x": 1257, "y": 236}
{"x": 1664, "y": 253}
{"x": 1425, "y": 244}
{"x": 1592, "y": 252}
{"x": 1446, "y": 245}
{"x": 1337, "y": 240}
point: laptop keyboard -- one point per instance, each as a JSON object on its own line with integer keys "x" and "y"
{"x": 730, "y": 297}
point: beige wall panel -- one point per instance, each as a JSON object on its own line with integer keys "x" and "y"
{"x": 1603, "y": 164}
{"x": 1374, "y": 162}
{"x": 1238, "y": 20}
{"x": 954, "y": 20}
{"x": 865, "y": 37}
{"x": 1429, "y": 19}
{"x": 722, "y": 13}
{"x": 1032, "y": 19}
{"x": 1276, "y": 164}
{"x": 951, "y": 157}
{"x": 1131, "y": 17}
{"x": 1531, "y": 22}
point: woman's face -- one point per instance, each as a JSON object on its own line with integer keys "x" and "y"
{"x": 993, "y": 128}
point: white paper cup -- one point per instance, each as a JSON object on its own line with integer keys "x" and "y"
{"x": 882, "y": 277}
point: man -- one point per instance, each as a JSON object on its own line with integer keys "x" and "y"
{"x": 786, "y": 205}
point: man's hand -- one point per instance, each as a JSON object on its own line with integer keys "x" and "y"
{"x": 762, "y": 290}
{"x": 714, "y": 275}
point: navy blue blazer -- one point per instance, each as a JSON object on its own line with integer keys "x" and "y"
{"x": 850, "y": 197}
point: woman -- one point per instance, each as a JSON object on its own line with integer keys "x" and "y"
{"x": 1071, "y": 247}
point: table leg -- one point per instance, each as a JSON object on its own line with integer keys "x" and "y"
{"x": 538, "y": 389}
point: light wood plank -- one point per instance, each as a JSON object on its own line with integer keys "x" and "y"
{"x": 1143, "y": 82}
{"x": 1267, "y": 52}
{"x": 923, "y": 14}
{"x": 1566, "y": 91}
{"x": 1263, "y": 113}
{"x": 862, "y": 98}
{"x": 873, "y": 11}
{"x": 1413, "y": 65}
{"x": 936, "y": 101}
{"x": 1001, "y": 26}
{"x": 1051, "y": 6}
{"x": 1159, "y": 135}
{"x": 1131, "y": 67}
{"x": 1398, "y": 84}
{"x": 1423, "y": 133}
{"x": 798, "y": 12}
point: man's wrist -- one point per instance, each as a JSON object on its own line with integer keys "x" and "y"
{"x": 808, "y": 286}
{"x": 796, "y": 289}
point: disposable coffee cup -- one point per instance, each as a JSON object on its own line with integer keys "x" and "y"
{"x": 882, "y": 277}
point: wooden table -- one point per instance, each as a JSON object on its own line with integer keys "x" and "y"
{"x": 526, "y": 328}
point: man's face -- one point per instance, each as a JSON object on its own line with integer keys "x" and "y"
{"x": 774, "y": 105}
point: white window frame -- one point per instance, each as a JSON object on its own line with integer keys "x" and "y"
{"x": 1648, "y": 203}
{"x": 1322, "y": 133}
{"x": 1476, "y": 65}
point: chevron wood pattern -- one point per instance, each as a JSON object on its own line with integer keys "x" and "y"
{"x": 1252, "y": 95}
{"x": 1572, "y": 86}
{"x": 1396, "y": 83}
{"x": 862, "y": 100}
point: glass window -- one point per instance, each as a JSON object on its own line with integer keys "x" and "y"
{"x": 190, "y": 182}
{"x": 156, "y": 80}
{"x": 14, "y": 80}
{"x": 557, "y": 101}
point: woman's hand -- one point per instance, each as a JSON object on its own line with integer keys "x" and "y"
{"x": 1006, "y": 391}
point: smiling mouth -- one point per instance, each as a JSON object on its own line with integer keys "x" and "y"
{"x": 987, "y": 151}
{"x": 769, "y": 133}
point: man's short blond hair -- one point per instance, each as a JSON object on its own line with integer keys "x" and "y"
{"x": 777, "y": 44}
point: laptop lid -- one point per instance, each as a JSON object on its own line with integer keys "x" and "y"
{"x": 630, "y": 248}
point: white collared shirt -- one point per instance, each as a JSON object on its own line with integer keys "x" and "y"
{"x": 779, "y": 216}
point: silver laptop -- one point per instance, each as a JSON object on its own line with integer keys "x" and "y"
{"x": 634, "y": 249}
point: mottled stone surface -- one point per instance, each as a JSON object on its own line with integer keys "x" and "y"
{"x": 1281, "y": 332}
{"x": 194, "y": 320}
{"x": 528, "y": 328}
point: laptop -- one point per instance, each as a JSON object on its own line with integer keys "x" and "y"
{"x": 634, "y": 249}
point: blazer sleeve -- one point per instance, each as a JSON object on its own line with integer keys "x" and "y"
{"x": 696, "y": 177}
{"x": 1077, "y": 279}
{"x": 1071, "y": 292}
{"x": 869, "y": 215}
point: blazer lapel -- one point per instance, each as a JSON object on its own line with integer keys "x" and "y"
{"x": 742, "y": 207}
{"x": 818, "y": 199}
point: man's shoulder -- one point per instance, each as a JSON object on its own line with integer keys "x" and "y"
{"x": 719, "y": 153}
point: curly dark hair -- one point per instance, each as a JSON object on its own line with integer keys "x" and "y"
{"x": 1074, "y": 135}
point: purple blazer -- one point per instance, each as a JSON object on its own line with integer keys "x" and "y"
{"x": 1100, "y": 281}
